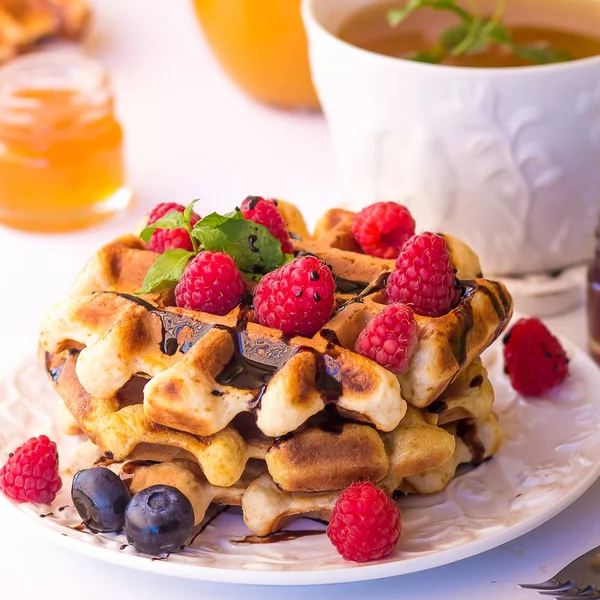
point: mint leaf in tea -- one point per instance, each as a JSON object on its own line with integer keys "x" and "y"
{"x": 479, "y": 33}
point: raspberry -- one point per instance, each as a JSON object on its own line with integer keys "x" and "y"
{"x": 390, "y": 338}
{"x": 382, "y": 229}
{"x": 424, "y": 276}
{"x": 169, "y": 239}
{"x": 265, "y": 212}
{"x": 365, "y": 523}
{"x": 298, "y": 298}
{"x": 31, "y": 473}
{"x": 211, "y": 283}
{"x": 534, "y": 359}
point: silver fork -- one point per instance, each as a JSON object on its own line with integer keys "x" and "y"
{"x": 579, "y": 579}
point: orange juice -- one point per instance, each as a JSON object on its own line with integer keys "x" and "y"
{"x": 61, "y": 147}
{"x": 262, "y": 45}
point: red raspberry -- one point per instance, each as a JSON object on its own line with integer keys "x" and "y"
{"x": 298, "y": 298}
{"x": 390, "y": 338}
{"x": 31, "y": 473}
{"x": 169, "y": 239}
{"x": 424, "y": 276}
{"x": 381, "y": 229}
{"x": 365, "y": 523}
{"x": 211, "y": 283}
{"x": 265, "y": 212}
{"x": 534, "y": 359}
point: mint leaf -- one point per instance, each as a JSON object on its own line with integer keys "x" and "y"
{"x": 166, "y": 270}
{"x": 172, "y": 220}
{"x": 541, "y": 55}
{"x": 187, "y": 213}
{"x": 474, "y": 34}
{"x": 431, "y": 57}
{"x": 453, "y": 36}
{"x": 214, "y": 219}
{"x": 397, "y": 15}
{"x": 252, "y": 246}
{"x": 500, "y": 35}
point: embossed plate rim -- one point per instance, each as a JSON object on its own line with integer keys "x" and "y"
{"x": 348, "y": 573}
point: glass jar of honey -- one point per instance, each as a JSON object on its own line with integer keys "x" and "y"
{"x": 263, "y": 47}
{"x": 61, "y": 147}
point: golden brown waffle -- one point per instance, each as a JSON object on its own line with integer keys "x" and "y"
{"x": 267, "y": 508}
{"x": 24, "y": 23}
{"x": 447, "y": 344}
{"x": 324, "y": 455}
{"x": 235, "y": 413}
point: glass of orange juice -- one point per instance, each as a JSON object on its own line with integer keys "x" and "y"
{"x": 61, "y": 146}
{"x": 262, "y": 45}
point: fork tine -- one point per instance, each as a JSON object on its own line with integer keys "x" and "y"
{"x": 551, "y": 584}
{"x": 557, "y": 591}
{"x": 590, "y": 593}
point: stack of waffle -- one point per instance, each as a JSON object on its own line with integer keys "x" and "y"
{"x": 25, "y": 23}
{"x": 234, "y": 413}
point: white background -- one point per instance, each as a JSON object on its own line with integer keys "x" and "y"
{"x": 191, "y": 133}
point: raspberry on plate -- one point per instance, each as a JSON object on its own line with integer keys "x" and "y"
{"x": 265, "y": 212}
{"x": 390, "y": 338}
{"x": 297, "y": 299}
{"x": 365, "y": 523}
{"x": 534, "y": 359}
{"x": 211, "y": 283}
{"x": 382, "y": 229}
{"x": 31, "y": 473}
{"x": 169, "y": 239}
{"x": 424, "y": 277}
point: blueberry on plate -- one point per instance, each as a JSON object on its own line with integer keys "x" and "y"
{"x": 100, "y": 498}
{"x": 158, "y": 520}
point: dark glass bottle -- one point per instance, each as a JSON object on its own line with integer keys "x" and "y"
{"x": 593, "y": 301}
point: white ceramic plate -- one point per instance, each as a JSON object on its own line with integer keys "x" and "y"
{"x": 548, "y": 459}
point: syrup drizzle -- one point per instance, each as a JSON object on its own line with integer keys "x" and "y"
{"x": 254, "y": 363}
{"x": 374, "y": 287}
{"x": 279, "y": 536}
{"x": 347, "y": 286}
{"x": 467, "y": 432}
{"x": 173, "y": 326}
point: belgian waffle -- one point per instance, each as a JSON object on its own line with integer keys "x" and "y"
{"x": 217, "y": 398}
{"x": 265, "y": 506}
{"x": 24, "y": 23}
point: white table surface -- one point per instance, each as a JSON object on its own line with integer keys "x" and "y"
{"x": 191, "y": 133}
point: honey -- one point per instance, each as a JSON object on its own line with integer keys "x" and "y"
{"x": 61, "y": 146}
{"x": 263, "y": 47}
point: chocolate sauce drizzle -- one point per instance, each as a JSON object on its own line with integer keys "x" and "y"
{"x": 279, "y": 536}
{"x": 347, "y": 286}
{"x": 374, "y": 287}
{"x": 500, "y": 303}
{"x": 466, "y": 431}
{"x": 55, "y": 373}
{"x": 174, "y": 327}
{"x": 205, "y": 524}
{"x": 254, "y": 363}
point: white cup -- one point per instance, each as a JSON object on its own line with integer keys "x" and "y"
{"x": 506, "y": 159}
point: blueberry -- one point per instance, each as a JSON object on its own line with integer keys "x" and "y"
{"x": 100, "y": 498}
{"x": 159, "y": 519}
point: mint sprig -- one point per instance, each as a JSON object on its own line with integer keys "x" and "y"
{"x": 166, "y": 271}
{"x": 252, "y": 246}
{"x": 473, "y": 34}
